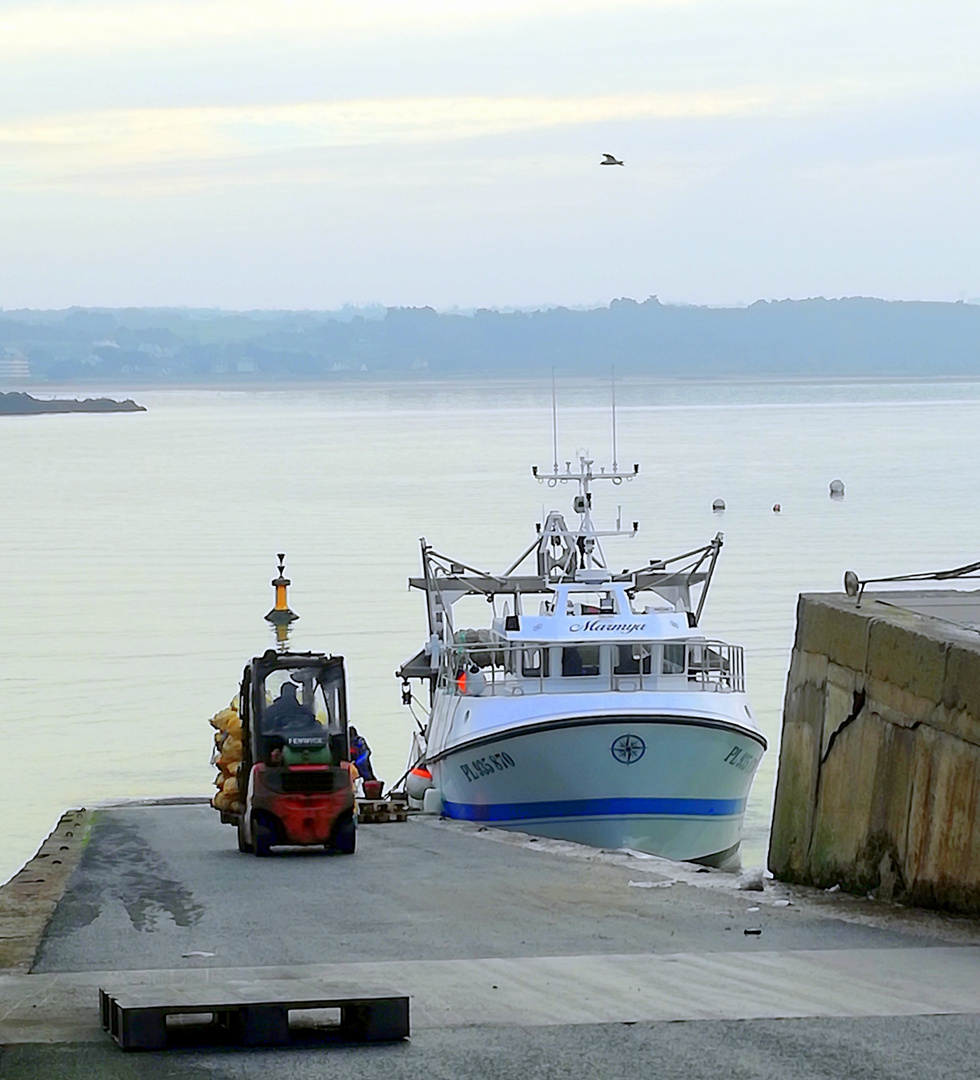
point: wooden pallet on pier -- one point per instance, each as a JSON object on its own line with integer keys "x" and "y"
{"x": 249, "y": 1012}
{"x": 379, "y": 811}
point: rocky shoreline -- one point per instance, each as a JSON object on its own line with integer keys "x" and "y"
{"x": 20, "y": 404}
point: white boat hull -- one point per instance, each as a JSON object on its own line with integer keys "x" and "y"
{"x": 671, "y": 786}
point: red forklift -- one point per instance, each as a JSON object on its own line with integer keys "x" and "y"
{"x": 294, "y": 779}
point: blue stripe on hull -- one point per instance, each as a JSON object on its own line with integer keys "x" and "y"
{"x": 594, "y": 808}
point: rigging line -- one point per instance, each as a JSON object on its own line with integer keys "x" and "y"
{"x": 554, "y": 421}
{"x": 676, "y": 576}
{"x": 404, "y": 775}
{"x": 411, "y": 709}
{"x": 682, "y": 572}
{"x": 534, "y": 543}
{"x": 474, "y": 588}
{"x": 706, "y": 584}
{"x": 959, "y": 571}
{"x": 677, "y": 558}
{"x": 448, "y": 571}
{"x": 429, "y": 580}
{"x": 661, "y": 568}
{"x": 615, "y": 464}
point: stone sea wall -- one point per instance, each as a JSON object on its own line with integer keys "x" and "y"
{"x": 879, "y": 767}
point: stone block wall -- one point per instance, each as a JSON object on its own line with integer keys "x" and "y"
{"x": 878, "y": 786}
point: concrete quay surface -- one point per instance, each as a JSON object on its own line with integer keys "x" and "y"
{"x": 522, "y": 958}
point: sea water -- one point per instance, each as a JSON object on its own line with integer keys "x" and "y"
{"x": 137, "y": 549}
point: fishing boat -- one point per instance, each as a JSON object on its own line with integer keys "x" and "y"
{"x": 593, "y": 708}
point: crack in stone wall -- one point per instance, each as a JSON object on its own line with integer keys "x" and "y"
{"x": 878, "y": 786}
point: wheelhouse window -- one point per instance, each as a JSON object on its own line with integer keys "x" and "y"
{"x": 534, "y": 663}
{"x": 632, "y": 660}
{"x": 674, "y": 656}
{"x": 579, "y": 660}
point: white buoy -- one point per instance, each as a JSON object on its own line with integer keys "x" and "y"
{"x": 717, "y": 505}
{"x": 418, "y": 782}
{"x": 837, "y": 489}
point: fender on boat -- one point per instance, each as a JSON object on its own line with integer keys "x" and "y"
{"x": 418, "y": 782}
{"x": 432, "y": 801}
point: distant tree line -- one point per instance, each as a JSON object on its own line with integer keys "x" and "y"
{"x": 856, "y": 336}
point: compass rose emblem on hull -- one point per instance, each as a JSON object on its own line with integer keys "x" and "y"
{"x": 628, "y": 749}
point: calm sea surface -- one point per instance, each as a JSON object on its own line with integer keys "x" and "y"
{"x": 137, "y": 550}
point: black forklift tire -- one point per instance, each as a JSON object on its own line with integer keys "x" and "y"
{"x": 263, "y": 837}
{"x": 243, "y": 845}
{"x": 345, "y": 838}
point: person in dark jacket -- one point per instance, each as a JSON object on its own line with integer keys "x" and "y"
{"x": 287, "y": 712}
{"x": 360, "y": 754}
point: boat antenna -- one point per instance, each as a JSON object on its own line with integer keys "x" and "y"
{"x": 554, "y": 420}
{"x": 615, "y": 463}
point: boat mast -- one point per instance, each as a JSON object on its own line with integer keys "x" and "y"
{"x": 554, "y": 422}
{"x": 585, "y": 539}
{"x": 612, "y": 380}
{"x": 580, "y": 550}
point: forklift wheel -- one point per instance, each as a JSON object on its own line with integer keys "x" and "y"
{"x": 264, "y": 836}
{"x": 345, "y": 838}
{"x": 243, "y": 845}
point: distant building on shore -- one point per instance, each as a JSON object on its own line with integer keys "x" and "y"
{"x": 14, "y": 366}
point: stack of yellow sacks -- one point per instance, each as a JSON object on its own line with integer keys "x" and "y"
{"x": 228, "y": 757}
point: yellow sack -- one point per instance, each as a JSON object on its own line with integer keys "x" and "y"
{"x": 221, "y": 801}
{"x": 232, "y": 748}
{"x": 223, "y": 718}
{"x": 228, "y": 761}
{"x": 230, "y": 786}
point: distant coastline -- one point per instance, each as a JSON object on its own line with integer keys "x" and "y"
{"x": 20, "y": 404}
{"x": 854, "y": 337}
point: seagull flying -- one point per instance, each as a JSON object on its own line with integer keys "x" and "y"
{"x": 608, "y": 159}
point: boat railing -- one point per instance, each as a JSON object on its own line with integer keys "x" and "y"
{"x": 509, "y": 668}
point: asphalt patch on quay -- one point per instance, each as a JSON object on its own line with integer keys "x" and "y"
{"x": 121, "y": 865}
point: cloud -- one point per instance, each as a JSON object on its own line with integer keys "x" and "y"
{"x": 106, "y": 141}
{"x": 124, "y": 27}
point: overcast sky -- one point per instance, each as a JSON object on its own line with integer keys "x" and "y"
{"x": 309, "y": 153}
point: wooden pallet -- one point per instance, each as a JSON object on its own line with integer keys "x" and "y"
{"x": 377, "y": 811}
{"x": 248, "y": 1012}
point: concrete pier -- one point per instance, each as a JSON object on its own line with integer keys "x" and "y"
{"x": 879, "y": 768}
{"x": 522, "y": 957}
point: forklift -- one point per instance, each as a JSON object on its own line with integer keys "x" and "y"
{"x": 295, "y": 780}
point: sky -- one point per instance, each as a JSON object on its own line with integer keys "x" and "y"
{"x": 312, "y": 153}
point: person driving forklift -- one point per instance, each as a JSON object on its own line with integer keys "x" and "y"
{"x": 287, "y": 711}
